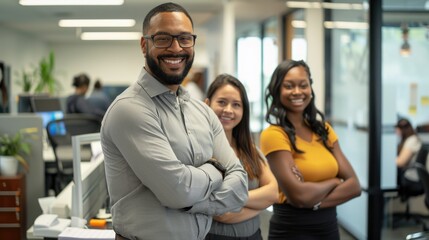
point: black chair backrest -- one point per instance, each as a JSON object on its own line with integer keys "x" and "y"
{"x": 424, "y": 128}
{"x": 423, "y": 154}
{"x": 60, "y": 132}
{"x": 422, "y": 171}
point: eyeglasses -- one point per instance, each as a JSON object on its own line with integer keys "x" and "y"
{"x": 165, "y": 40}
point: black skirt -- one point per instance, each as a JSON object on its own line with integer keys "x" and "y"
{"x": 288, "y": 222}
{"x": 256, "y": 236}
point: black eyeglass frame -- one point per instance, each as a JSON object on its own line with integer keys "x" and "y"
{"x": 152, "y": 37}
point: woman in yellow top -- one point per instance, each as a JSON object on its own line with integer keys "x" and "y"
{"x": 228, "y": 99}
{"x": 303, "y": 152}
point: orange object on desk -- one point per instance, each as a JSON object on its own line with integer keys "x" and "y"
{"x": 97, "y": 223}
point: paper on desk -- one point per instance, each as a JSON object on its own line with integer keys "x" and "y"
{"x": 45, "y": 204}
{"x": 72, "y": 233}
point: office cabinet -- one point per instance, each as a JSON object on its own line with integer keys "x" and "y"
{"x": 12, "y": 207}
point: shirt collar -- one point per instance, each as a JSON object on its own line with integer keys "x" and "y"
{"x": 154, "y": 88}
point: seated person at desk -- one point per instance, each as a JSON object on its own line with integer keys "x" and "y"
{"x": 407, "y": 153}
{"x": 77, "y": 103}
{"x": 98, "y": 98}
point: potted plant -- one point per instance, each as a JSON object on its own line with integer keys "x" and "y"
{"x": 26, "y": 79}
{"x": 47, "y": 82}
{"x": 11, "y": 148}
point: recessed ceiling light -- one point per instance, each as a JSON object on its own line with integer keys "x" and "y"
{"x": 299, "y": 24}
{"x": 333, "y": 24}
{"x": 110, "y": 36}
{"x": 69, "y": 2}
{"x": 326, "y": 5}
{"x": 97, "y": 23}
{"x": 345, "y": 25}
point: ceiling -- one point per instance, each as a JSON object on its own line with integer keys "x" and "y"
{"x": 42, "y": 21}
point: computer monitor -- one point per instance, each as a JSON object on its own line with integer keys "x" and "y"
{"x": 45, "y": 104}
{"x": 112, "y": 91}
{"x": 49, "y": 108}
{"x": 53, "y": 115}
{"x": 89, "y": 191}
{"x": 5, "y": 88}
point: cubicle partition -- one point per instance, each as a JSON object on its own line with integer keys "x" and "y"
{"x": 89, "y": 192}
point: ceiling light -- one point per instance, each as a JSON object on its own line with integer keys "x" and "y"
{"x": 110, "y": 36}
{"x": 345, "y": 25}
{"x": 405, "y": 50}
{"x": 69, "y": 2}
{"x": 299, "y": 24}
{"x": 333, "y": 24}
{"x": 342, "y": 6}
{"x": 97, "y": 23}
{"x": 296, "y": 4}
{"x": 326, "y": 5}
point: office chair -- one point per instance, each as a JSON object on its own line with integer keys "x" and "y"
{"x": 424, "y": 177}
{"x": 424, "y": 128}
{"x": 60, "y": 132}
{"x": 406, "y": 192}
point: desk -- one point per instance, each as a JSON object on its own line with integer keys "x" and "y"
{"x": 48, "y": 154}
{"x": 62, "y": 205}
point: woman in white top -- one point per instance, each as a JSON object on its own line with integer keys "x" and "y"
{"x": 407, "y": 153}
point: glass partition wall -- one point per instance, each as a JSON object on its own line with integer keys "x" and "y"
{"x": 349, "y": 101}
{"x": 402, "y": 91}
{"x": 375, "y": 72}
{"x": 254, "y": 68}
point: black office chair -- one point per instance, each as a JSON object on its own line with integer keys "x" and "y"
{"x": 423, "y": 128}
{"x": 60, "y": 134}
{"x": 424, "y": 177}
{"x": 408, "y": 190}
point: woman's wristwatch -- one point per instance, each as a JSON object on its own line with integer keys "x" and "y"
{"x": 316, "y": 206}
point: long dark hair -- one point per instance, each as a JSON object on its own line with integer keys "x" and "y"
{"x": 406, "y": 130}
{"x": 246, "y": 150}
{"x": 277, "y": 113}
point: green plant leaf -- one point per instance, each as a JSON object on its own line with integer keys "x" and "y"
{"x": 23, "y": 162}
{"x": 13, "y": 145}
{"x": 47, "y": 81}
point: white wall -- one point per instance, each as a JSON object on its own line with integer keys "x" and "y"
{"x": 112, "y": 62}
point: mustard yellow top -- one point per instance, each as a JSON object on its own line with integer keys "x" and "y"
{"x": 316, "y": 163}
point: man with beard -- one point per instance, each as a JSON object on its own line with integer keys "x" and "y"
{"x": 169, "y": 166}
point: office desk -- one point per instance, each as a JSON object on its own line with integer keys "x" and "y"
{"x": 48, "y": 154}
{"x": 63, "y": 202}
{"x": 62, "y": 205}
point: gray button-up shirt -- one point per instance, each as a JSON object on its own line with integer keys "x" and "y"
{"x": 155, "y": 147}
